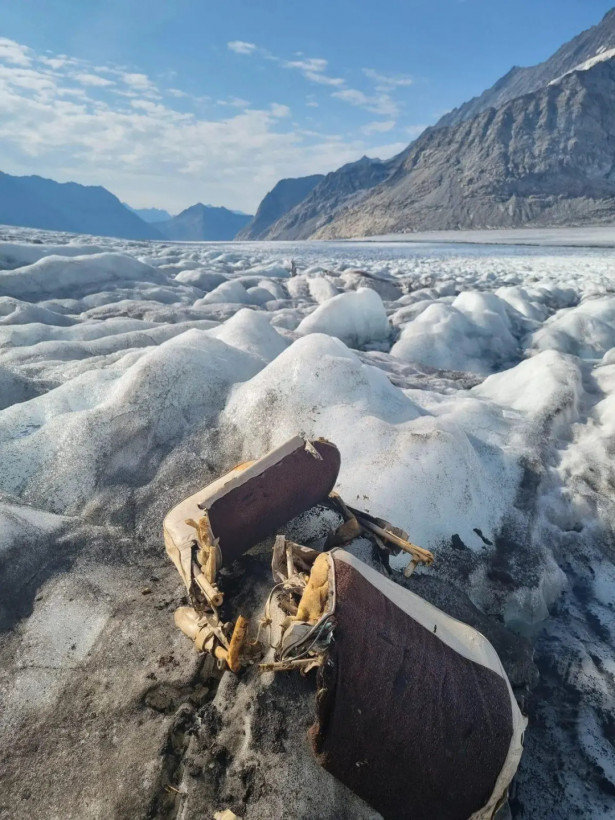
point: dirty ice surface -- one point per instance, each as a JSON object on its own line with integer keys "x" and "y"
{"x": 471, "y": 391}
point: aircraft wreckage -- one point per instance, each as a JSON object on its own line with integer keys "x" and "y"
{"x": 414, "y": 711}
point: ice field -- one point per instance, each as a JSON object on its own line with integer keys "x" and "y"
{"x": 471, "y": 391}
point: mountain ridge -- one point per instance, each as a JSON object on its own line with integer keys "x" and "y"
{"x": 523, "y": 80}
{"x": 38, "y": 202}
{"x": 484, "y": 163}
{"x": 203, "y": 223}
{"x": 150, "y": 215}
{"x": 528, "y": 161}
{"x": 278, "y": 201}
{"x": 336, "y": 190}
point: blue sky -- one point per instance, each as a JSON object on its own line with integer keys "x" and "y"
{"x": 169, "y": 102}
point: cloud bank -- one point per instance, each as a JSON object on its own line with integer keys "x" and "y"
{"x": 160, "y": 146}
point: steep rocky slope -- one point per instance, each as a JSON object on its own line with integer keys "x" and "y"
{"x": 595, "y": 41}
{"x": 282, "y": 197}
{"x": 545, "y": 158}
{"x": 345, "y": 186}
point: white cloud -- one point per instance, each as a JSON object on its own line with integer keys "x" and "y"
{"x": 313, "y": 69}
{"x": 131, "y": 139}
{"x": 241, "y": 47}
{"x": 309, "y": 64}
{"x": 381, "y": 104}
{"x": 92, "y": 79}
{"x": 323, "y": 79}
{"x": 388, "y": 80}
{"x": 55, "y": 62}
{"x": 352, "y": 96}
{"x": 378, "y": 127}
{"x": 234, "y": 102}
{"x": 278, "y": 110}
{"x": 27, "y": 79}
{"x": 140, "y": 82}
{"x": 14, "y": 53}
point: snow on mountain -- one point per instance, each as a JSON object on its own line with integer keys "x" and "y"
{"x": 601, "y": 56}
{"x": 543, "y": 159}
{"x": 520, "y": 81}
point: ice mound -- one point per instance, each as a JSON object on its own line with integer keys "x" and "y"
{"x": 74, "y": 277}
{"x": 297, "y": 287}
{"x": 203, "y": 279}
{"x": 34, "y": 332}
{"x": 385, "y": 286}
{"x": 16, "y": 255}
{"x": 133, "y": 373}
{"x": 547, "y": 388}
{"x": 259, "y": 296}
{"x": 228, "y": 292}
{"x": 250, "y": 331}
{"x": 356, "y": 318}
{"x": 321, "y": 289}
{"x": 424, "y": 471}
{"x": 587, "y": 331}
{"x": 586, "y": 466}
{"x": 14, "y": 388}
{"x": 108, "y": 426}
{"x": 408, "y": 313}
{"x": 16, "y": 312}
{"x": 474, "y": 334}
{"x": 529, "y": 302}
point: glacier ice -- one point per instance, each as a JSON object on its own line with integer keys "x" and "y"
{"x": 471, "y": 391}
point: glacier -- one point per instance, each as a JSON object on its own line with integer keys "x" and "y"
{"x": 471, "y": 391}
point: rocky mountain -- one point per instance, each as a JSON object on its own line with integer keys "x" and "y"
{"x": 281, "y": 199}
{"x": 151, "y": 215}
{"x": 546, "y": 158}
{"x": 36, "y": 202}
{"x": 203, "y": 222}
{"x": 594, "y": 43}
{"x": 535, "y": 148}
{"x": 346, "y": 186}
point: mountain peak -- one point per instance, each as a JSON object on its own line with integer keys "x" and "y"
{"x": 282, "y": 198}
{"x": 519, "y": 81}
{"x": 203, "y": 222}
{"x": 37, "y": 202}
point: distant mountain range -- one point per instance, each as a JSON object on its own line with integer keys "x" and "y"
{"x": 203, "y": 222}
{"x": 36, "y": 202}
{"x": 279, "y": 201}
{"x": 151, "y": 215}
{"x": 336, "y": 190}
{"x": 537, "y": 148}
